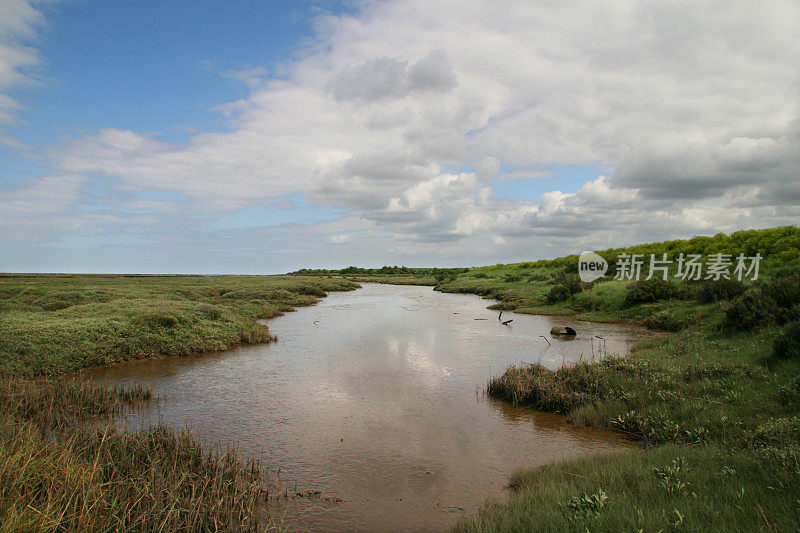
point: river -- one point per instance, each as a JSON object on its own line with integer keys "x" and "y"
{"x": 376, "y": 397}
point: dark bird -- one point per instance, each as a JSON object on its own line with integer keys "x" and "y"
{"x": 500, "y": 315}
{"x": 507, "y": 322}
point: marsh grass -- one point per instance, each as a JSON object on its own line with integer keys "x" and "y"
{"x": 64, "y": 464}
{"x": 668, "y": 488}
{"x": 52, "y": 324}
{"x": 63, "y": 468}
{"x": 717, "y": 411}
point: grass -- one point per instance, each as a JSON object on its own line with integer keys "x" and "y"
{"x": 716, "y": 403}
{"x": 58, "y": 472}
{"x": 716, "y": 406}
{"x": 64, "y": 464}
{"x": 60, "y": 323}
{"x": 669, "y": 488}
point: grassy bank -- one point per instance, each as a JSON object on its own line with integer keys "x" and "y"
{"x": 59, "y": 473}
{"x": 52, "y": 324}
{"x": 718, "y": 413}
{"x": 716, "y": 405}
{"x": 64, "y": 465}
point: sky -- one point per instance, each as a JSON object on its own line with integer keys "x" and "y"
{"x": 262, "y": 137}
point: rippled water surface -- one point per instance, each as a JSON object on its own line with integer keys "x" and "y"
{"x": 375, "y": 396}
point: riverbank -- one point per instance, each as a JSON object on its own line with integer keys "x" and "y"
{"x": 718, "y": 414}
{"x": 57, "y": 471}
{"x": 716, "y": 402}
{"x": 55, "y": 324}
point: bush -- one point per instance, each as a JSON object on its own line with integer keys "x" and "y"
{"x": 558, "y": 293}
{"x": 775, "y": 302}
{"x": 785, "y": 291}
{"x": 750, "y": 311}
{"x": 664, "y": 321}
{"x": 723, "y": 289}
{"x": 651, "y": 290}
{"x": 481, "y": 275}
{"x": 571, "y": 281}
{"x": 787, "y": 344}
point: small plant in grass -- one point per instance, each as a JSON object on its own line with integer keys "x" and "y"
{"x": 787, "y": 344}
{"x": 586, "y": 506}
{"x": 665, "y": 321}
{"x": 668, "y": 476}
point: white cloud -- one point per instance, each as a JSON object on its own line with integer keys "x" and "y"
{"x": 690, "y": 104}
{"x": 339, "y": 239}
{"x": 19, "y": 20}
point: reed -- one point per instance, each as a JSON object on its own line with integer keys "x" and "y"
{"x": 58, "y": 472}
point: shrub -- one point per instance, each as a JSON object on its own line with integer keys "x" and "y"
{"x": 569, "y": 280}
{"x": 664, "y": 321}
{"x": 512, "y": 278}
{"x": 784, "y": 291}
{"x": 787, "y": 344}
{"x": 446, "y": 277}
{"x": 558, "y": 293}
{"x": 775, "y": 302}
{"x": 481, "y": 275}
{"x": 723, "y": 289}
{"x": 751, "y": 310}
{"x": 538, "y": 276}
{"x": 651, "y": 290}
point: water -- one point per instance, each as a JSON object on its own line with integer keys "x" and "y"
{"x": 375, "y": 396}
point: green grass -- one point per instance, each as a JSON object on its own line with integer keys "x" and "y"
{"x": 669, "y": 488}
{"x": 58, "y": 473}
{"x": 60, "y": 323}
{"x": 64, "y": 465}
{"x": 716, "y": 406}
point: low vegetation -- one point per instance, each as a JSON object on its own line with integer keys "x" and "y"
{"x": 59, "y": 473}
{"x": 667, "y": 488}
{"x": 60, "y": 323}
{"x": 715, "y": 404}
{"x": 64, "y": 464}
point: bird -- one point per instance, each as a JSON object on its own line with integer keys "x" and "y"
{"x": 500, "y": 315}
{"x": 507, "y": 322}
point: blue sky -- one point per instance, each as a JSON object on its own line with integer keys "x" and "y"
{"x": 169, "y": 136}
{"x": 154, "y": 66}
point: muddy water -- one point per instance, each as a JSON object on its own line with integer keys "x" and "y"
{"x": 375, "y": 397}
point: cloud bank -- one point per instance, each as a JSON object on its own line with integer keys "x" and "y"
{"x": 406, "y": 113}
